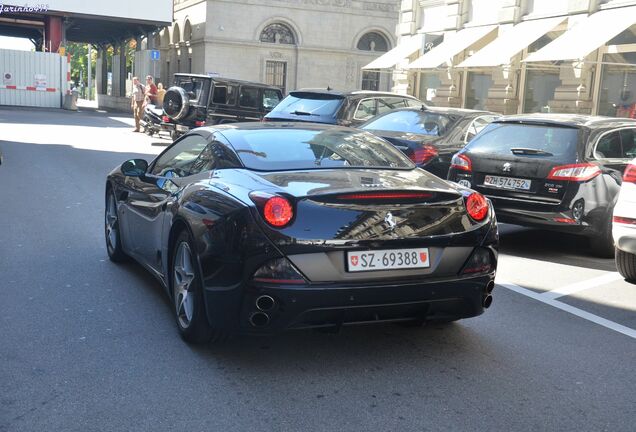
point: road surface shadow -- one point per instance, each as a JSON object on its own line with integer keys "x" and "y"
{"x": 551, "y": 246}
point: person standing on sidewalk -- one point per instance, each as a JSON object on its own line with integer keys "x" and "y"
{"x": 137, "y": 101}
{"x": 151, "y": 91}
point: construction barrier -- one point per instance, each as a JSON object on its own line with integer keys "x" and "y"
{"x": 33, "y": 79}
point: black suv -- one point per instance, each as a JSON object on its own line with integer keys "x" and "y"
{"x": 198, "y": 100}
{"x": 334, "y": 107}
{"x": 555, "y": 171}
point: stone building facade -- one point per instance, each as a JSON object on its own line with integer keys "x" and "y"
{"x": 516, "y": 56}
{"x": 289, "y": 43}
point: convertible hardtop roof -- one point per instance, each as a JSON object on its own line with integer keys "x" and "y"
{"x": 223, "y": 79}
{"x": 571, "y": 120}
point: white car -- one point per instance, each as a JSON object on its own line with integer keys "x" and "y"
{"x": 624, "y": 225}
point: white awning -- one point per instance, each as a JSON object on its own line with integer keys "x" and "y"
{"x": 586, "y": 36}
{"x": 510, "y": 43}
{"x": 453, "y": 44}
{"x": 406, "y": 48}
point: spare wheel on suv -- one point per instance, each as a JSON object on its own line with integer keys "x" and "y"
{"x": 176, "y": 103}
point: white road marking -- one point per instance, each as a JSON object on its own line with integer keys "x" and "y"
{"x": 581, "y": 286}
{"x": 571, "y": 309}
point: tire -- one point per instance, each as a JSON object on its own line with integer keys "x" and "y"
{"x": 174, "y": 135}
{"x": 626, "y": 265}
{"x": 111, "y": 229}
{"x": 187, "y": 294}
{"x": 603, "y": 243}
{"x": 176, "y": 103}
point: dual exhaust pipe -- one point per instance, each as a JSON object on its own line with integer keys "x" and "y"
{"x": 487, "y": 301}
{"x": 264, "y": 304}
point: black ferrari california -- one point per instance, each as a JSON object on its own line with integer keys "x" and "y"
{"x": 256, "y": 228}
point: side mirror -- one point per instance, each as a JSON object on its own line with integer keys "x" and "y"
{"x": 134, "y": 167}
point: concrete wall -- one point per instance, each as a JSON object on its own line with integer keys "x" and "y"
{"x": 114, "y": 103}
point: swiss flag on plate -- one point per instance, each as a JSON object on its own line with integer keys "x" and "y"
{"x": 423, "y": 256}
{"x": 354, "y": 260}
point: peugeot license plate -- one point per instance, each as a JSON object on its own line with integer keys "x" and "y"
{"x": 388, "y": 259}
{"x": 507, "y": 182}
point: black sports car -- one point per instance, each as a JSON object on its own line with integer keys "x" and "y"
{"x": 255, "y": 228}
{"x": 430, "y": 136}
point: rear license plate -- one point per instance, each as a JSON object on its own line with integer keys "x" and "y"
{"x": 181, "y": 128}
{"x": 507, "y": 182}
{"x": 388, "y": 259}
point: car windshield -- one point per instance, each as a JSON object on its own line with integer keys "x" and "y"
{"x": 417, "y": 122}
{"x": 302, "y": 149}
{"x": 309, "y": 104}
{"x": 526, "y": 139}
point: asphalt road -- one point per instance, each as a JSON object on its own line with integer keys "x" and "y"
{"x": 88, "y": 345}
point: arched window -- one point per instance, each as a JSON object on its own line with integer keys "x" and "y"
{"x": 278, "y": 33}
{"x": 373, "y": 41}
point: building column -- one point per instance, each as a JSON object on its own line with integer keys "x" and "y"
{"x": 502, "y": 95}
{"x": 449, "y": 93}
{"x": 116, "y": 77}
{"x": 101, "y": 72}
{"x": 123, "y": 70}
{"x": 53, "y": 33}
{"x": 575, "y": 93}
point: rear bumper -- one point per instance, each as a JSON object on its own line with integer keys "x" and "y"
{"x": 625, "y": 234}
{"x": 551, "y": 217}
{"x": 328, "y": 305}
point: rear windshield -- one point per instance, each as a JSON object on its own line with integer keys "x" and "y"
{"x": 310, "y": 104}
{"x": 526, "y": 140}
{"x": 417, "y": 122}
{"x": 302, "y": 149}
{"x": 193, "y": 86}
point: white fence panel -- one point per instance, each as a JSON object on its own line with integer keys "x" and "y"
{"x": 34, "y": 79}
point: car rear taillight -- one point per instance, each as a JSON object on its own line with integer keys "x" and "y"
{"x": 624, "y": 220}
{"x": 165, "y": 119}
{"x": 477, "y": 206}
{"x": 424, "y": 154}
{"x": 576, "y": 172}
{"x": 278, "y": 271}
{"x": 461, "y": 162}
{"x": 630, "y": 174}
{"x": 275, "y": 209}
{"x": 199, "y": 123}
{"x": 278, "y": 211}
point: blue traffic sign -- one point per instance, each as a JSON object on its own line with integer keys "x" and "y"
{"x": 155, "y": 55}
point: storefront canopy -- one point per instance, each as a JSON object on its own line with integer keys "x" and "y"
{"x": 510, "y": 43}
{"x": 453, "y": 44}
{"x": 587, "y": 35}
{"x": 406, "y": 48}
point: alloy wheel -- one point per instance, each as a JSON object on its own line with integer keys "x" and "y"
{"x": 111, "y": 222}
{"x": 183, "y": 279}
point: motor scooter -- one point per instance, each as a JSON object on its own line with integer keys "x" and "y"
{"x": 152, "y": 120}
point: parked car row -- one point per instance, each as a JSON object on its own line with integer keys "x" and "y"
{"x": 561, "y": 172}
